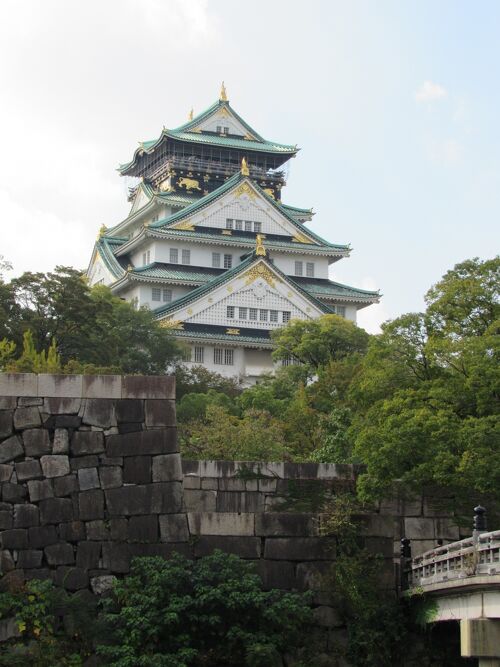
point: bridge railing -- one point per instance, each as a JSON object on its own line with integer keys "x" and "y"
{"x": 477, "y": 555}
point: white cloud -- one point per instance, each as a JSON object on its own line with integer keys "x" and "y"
{"x": 371, "y": 317}
{"x": 430, "y": 91}
{"x": 449, "y": 151}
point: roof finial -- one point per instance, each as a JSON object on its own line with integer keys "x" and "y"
{"x": 259, "y": 246}
{"x": 102, "y": 230}
{"x": 191, "y": 114}
{"x": 244, "y": 167}
{"x": 223, "y": 93}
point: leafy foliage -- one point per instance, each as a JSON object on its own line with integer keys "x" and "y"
{"x": 177, "y": 613}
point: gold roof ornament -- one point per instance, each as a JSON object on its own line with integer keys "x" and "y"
{"x": 102, "y": 230}
{"x": 223, "y": 93}
{"x": 191, "y": 114}
{"x": 244, "y": 167}
{"x": 259, "y": 247}
{"x": 130, "y": 268}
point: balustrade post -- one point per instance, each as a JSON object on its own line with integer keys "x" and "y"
{"x": 480, "y": 523}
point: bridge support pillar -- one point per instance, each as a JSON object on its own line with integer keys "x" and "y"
{"x": 480, "y": 638}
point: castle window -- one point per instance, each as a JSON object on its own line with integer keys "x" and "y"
{"x": 257, "y": 227}
{"x": 263, "y": 315}
{"x": 219, "y": 129}
{"x": 223, "y": 356}
{"x": 228, "y": 357}
{"x": 242, "y": 313}
{"x": 230, "y": 312}
{"x": 238, "y": 224}
{"x": 273, "y": 315}
{"x": 248, "y": 225}
{"x": 286, "y": 315}
{"x": 340, "y": 310}
{"x": 229, "y": 223}
{"x": 156, "y": 294}
{"x": 186, "y": 256}
{"x": 310, "y": 269}
{"x": 298, "y": 268}
{"x": 252, "y": 313}
{"x": 146, "y": 257}
{"x": 216, "y": 260}
{"x": 228, "y": 261}
{"x": 167, "y": 295}
{"x": 174, "y": 256}
{"x": 198, "y": 355}
{"x": 154, "y": 218}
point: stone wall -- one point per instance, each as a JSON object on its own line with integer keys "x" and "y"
{"x": 90, "y": 476}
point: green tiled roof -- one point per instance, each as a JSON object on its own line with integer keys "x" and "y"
{"x": 217, "y": 332}
{"x": 225, "y": 187}
{"x": 186, "y": 127}
{"x": 229, "y": 275}
{"x": 330, "y": 289}
{"x": 104, "y": 246}
{"x": 195, "y": 274}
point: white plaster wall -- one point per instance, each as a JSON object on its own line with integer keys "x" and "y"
{"x": 286, "y": 263}
{"x": 201, "y": 255}
{"x": 238, "y": 368}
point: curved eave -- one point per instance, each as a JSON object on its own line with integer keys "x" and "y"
{"x": 227, "y": 340}
{"x": 105, "y": 252}
{"x": 204, "y": 115}
{"x": 207, "y": 139}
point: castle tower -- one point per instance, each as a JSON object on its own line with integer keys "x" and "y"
{"x": 210, "y": 246}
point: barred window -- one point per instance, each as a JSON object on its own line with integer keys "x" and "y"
{"x": 273, "y": 315}
{"x": 310, "y": 269}
{"x": 286, "y": 315}
{"x": 340, "y": 310}
{"x": 242, "y": 313}
{"x": 228, "y": 357}
{"x": 218, "y": 355}
{"x": 238, "y": 224}
{"x": 229, "y": 223}
{"x": 198, "y": 355}
{"x": 146, "y": 257}
{"x": 257, "y": 227}
{"x": 298, "y": 268}
{"x": 228, "y": 261}
{"x": 156, "y": 294}
{"x": 263, "y": 315}
{"x": 186, "y": 256}
{"x": 216, "y": 260}
{"x": 230, "y": 312}
{"x": 248, "y": 225}
{"x": 223, "y": 357}
{"x": 174, "y": 256}
{"x": 167, "y": 295}
{"x": 252, "y": 313}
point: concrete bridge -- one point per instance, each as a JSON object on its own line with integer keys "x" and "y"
{"x": 463, "y": 579}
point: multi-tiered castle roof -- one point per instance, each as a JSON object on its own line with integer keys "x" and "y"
{"x": 212, "y": 248}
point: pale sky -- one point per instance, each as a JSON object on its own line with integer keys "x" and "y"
{"x": 395, "y": 105}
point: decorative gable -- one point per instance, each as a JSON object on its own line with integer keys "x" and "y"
{"x": 223, "y": 121}
{"x": 257, "y": 296}
{"x": 140, "y": 200}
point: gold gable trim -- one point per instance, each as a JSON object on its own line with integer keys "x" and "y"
{"x": 185, "y": 225}
{"x": 300, "y": 238}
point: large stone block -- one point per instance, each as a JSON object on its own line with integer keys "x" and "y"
{"x": 6, "y": 425}
{"x": 42, "y": 536}
{"x": 98, "y": 530}
{"x": 67, "y": 421}
{"x": 129, "y": 500}
{"x": 8, "y": 402}
{"x": 71, "y": 578}
{"x": 60, "y": 554}
{"x": 160, "y": 413}
{"x": 118, "y": 528}
{"x": 6, "y": 471}
{"x": 129, "y": 411}
{"x": 376, "y": 525}
{"x": 132, "y": 427}
{"x": 193, "y": 482}
{"x": 55, "y": 465}
{"x": 65, "y": 386}
{"x": 91, "y": 461}
{"x": 173, "y": 528}
{"x": 29, "y": 559}
{"x": 87, "y": 442}
{"x": 419, "y": 528}
{"x": 88, "y": 479}
{"x": 231, "y": 484}
{"x": 55, "y": 510}
{"x": 65, "y": 486}
{"x": 116, "y": 557}
{"x": 18, "y": 384}
{"x": 102, "y": 386}
{"x": 61, "y": 405}
{"x": 61, "y": 441}
{"x": 447, "y": 529}
{"x": 28, "y": 470}
{"x": 143, "y": 528}
{"x": 73, "y": 531}
{"x": 100, "y": 412}
{"x": 276, "y": 574}
{"x": 102, "y": 584}
{"x": 40, "y": 490}
{"x": 91, "y": 505}
{"x": 162, "y": 441}
{"x": 166, "y": 498}
{"x": 36, "y": 442}
{"x": 26, "y": 515}
{"x": 111, "y": 477}
{"x": 299, "y": 548}
{"x": 311, "y": 575}
{"x": 286, "y": 524}
{"x": 167, "y": 468}
{"x": 137, "y": 386}
{"x": 12, "y": 493}
{"x": 11, "y": 449}
{"x": 196, "y": 500}
{"x": 6, "y": 519}
{"x": 87, "y": 555}
{"x": 17, "y": 538}
{"x": 213, "y": 523}
{"x": 244, "y": 547}
{"x": 137, "y": 470}
{"x": 27, "y": 418}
